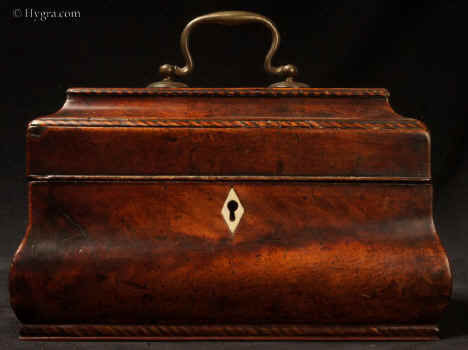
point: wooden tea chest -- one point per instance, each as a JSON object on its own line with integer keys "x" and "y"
{"x": 243, "y": 213}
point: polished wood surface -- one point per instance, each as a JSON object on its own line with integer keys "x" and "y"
{"x": 230, "y": 151}
{"x": 343, "y": 260}
{"x": 274, "y": 132}
{"x": 196, "y": 103}
{"x": 126, "y": 238}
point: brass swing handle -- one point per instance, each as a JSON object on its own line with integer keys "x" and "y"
{"x": 227, "y": 18}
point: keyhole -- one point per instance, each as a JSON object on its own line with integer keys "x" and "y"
{"x": 232, "y": 206}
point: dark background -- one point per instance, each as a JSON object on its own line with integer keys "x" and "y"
{"x": 410, "y": 48}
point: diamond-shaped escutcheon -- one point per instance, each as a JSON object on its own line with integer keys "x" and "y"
{"x": 232, "y": 210}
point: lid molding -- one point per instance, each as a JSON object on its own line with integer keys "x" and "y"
{"x": 236, "y": 92}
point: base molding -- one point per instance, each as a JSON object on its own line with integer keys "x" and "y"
{"x": 227, "y": 332}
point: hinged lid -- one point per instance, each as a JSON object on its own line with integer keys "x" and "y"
{"x": 252, "y": 133}
{"x": 287, "y": 131}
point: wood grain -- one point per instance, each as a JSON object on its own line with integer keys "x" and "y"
{"x": 147, "y": 252}
{"x": 126, "y": 240}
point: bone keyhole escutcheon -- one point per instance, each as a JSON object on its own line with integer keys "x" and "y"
{"x": 232, "y": 210}
{"x": 232, "y": 206}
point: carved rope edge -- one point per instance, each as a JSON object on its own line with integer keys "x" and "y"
{"x": 230, "y": 92}
{"x": 203, "y": 123}
{"x": 226, "y": 330}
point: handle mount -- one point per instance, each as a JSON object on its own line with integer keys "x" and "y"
{"x": 169, "y": 71}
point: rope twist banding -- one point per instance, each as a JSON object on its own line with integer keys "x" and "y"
{"x": 208, "y": 123}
